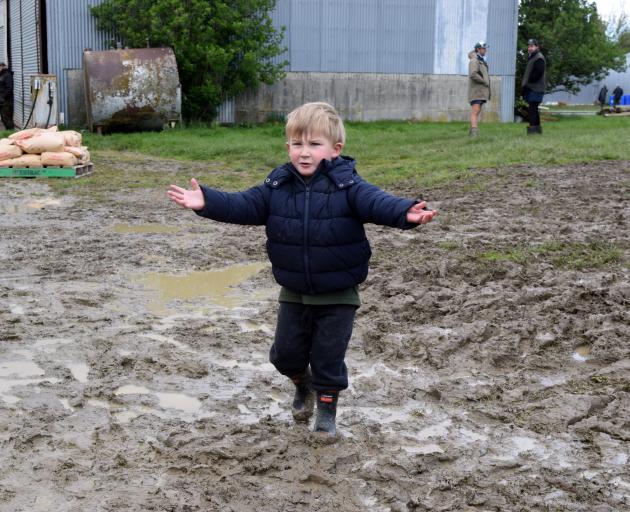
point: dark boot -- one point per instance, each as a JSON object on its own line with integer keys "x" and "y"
{"x": 304, "y": 399}
{"x": 538, "y": 129}
{"x": 531, "y": 130}
{"x": 326, "y": 412}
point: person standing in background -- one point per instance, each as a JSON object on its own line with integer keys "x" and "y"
{"x": 478, "y": 84}
{"x": 6, "y": 96}
{"x": 617, "y": 94}
{"x": 533, "y": 85}
{"x": 601, "y": 98}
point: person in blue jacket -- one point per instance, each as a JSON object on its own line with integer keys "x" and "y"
{"x": 314, "y": 208}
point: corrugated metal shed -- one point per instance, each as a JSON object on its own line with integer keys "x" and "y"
{"x": 71, "y": 29}
{"x": 396, "y": 36}
{"x": 4, "y": 55}
{"x": 25, "y": 53}
{"x": 400, "y": 37}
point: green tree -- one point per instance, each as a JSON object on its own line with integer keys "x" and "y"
{"x": 619, "y": 30}
{"x": 223, "y": 47}
{"x": 624, "y": 41}
{"x": 573, "y": 39}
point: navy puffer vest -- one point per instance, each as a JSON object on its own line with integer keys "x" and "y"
{"x": 315, "y": 236}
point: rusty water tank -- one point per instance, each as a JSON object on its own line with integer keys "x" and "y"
{"x": 131, "y": 89}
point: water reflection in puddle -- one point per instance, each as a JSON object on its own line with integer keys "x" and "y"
{"x": 179, "y": 401}
{"x": 582, "y": 353}
{"x": 7, "y": 385}
{"x": 243, "y": 365}
{"x": 249, "y": 417}
{"x": 145, "y": 228}
{"x": 173, "y": 405}
{"x": 79, "y": 371}
{"x": 215, "y": 285}
{"x": 20, "y": 369}
{"x": 251, "y": 326}
{"x": 130, "y": 389}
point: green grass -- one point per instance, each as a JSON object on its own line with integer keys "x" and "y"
{"x": 565, "y": 255}
{"x": 448, "y": 245}
{"x": 387, "y": 152}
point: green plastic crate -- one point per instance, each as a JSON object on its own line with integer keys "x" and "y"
{"x": 76, "y": 171}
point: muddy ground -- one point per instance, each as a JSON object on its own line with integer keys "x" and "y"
{"x": 134, "y": 340}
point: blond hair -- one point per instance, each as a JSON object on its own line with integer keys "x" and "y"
{"x": 316, "y": 118}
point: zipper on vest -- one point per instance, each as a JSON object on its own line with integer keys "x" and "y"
{"x": 307, "y": 201}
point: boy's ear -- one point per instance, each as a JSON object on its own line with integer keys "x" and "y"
{"x": 337, "y": 149}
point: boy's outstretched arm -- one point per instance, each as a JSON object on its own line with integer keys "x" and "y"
{"x": 246, "y": 207}
{"x": 192, "y": 199}
{"x": 418, "y": 214}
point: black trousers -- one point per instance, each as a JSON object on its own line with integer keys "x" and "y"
{"x": 315, "y": 335}
{"x": 533, "y": 116}
{"x": 6, "y": 114}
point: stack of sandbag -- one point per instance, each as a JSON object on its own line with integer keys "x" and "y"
{"x": 37, "y": 147}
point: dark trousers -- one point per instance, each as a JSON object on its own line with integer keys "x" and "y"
{"x": 533, "y": 116}
{"x": 315, "y": 335}
{"x": 6, "y": 114}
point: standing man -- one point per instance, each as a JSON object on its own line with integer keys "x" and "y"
{"x": 603, "y": 94}
{"x": 533, "y": 85}
{"x": 478, "y": 84}
{"x": 6, "y": 96}
{"x": 617, "y": 94}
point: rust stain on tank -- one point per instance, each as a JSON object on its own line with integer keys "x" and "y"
{"x": 130, "y": 89}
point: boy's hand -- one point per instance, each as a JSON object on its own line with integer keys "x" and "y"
{"x": 417, "y": 214}
{"x": 192, "y": 199}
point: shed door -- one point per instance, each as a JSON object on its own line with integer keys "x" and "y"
{"x": 25, "y": 49}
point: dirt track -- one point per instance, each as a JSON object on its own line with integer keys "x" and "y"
{"x": 475, "y": 385}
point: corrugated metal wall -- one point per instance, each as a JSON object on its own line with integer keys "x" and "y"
{"x": 71, "y": 29}
{"x": 370, "y": 36}
{"x": 501, "y": 35}
{"x": 25, "y": 53}
{"x": 400, "y": 36}
{"x": 4, "y": 56}
{"x": 396, "y": 36}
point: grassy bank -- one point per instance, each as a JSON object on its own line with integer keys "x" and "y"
{"x": 388, "y": 152}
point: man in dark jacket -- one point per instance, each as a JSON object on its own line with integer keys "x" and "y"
{"x": 603, "y": 95}
{"x": 533, "y": 84}
{"x": 617, "y": 94}
{"x": 6, "y": 96}
{"x": 314, "y": 209}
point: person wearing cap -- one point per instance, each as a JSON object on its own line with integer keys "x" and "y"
{"x": 6, "y": 96}
{"x": 478, "y": 84}
{"x": 533, "y": 84}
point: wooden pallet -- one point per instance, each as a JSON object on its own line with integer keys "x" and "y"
{"x": 70, "y": 171}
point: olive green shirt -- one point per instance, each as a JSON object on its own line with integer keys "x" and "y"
{"x": 348, "y": 296}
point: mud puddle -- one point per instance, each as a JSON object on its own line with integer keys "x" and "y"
{"x": 215, "y": 286}
{"x": 490, "y": 374}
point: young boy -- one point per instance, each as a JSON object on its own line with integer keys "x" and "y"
{"x": 314, "y": 208}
